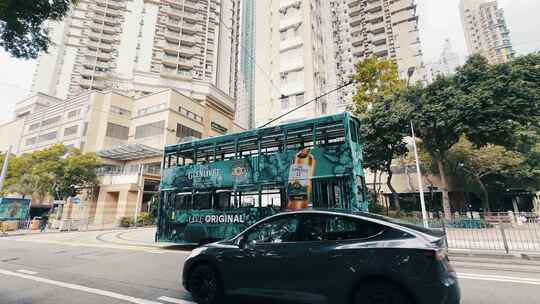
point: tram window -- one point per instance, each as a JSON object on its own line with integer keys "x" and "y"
{"x": 222, "y": 200}
{"x": 182, "y": 202}
{"x": 202, "y": 201}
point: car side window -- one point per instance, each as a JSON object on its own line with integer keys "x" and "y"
{"x": 282, "y": 229}
{"x": 311, "y": 228}
{"x": 344, "y": 228}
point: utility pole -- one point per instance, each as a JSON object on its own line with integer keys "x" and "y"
{"x": 4, "y": 168}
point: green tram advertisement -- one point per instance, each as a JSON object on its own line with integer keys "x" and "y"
{"x": 214, "y": 188}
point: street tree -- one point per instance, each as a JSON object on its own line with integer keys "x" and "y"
{"x": 376, "y": 78}
{"x": 78, "y": 172}
{"x": 23, "y": 25}
{"x": 484, "y": 162}
{"x": 384, "y": 118}
{"x": 383, "y": 131}
{"x": 437, "y": 113}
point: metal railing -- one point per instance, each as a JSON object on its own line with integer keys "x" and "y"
{"x": 503, "y": 231}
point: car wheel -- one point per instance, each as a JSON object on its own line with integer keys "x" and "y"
{"x": 380, "y": 292}
{"x": 205, "y": 285}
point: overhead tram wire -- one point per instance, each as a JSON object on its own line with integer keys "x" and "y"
{"x": 308, "y": 102}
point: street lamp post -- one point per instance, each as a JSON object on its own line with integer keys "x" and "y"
{"x": 410, "y": 72}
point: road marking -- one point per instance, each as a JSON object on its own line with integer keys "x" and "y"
{"x": 155, "y": 251}
{"x": 95, "y": 291}
{"x": 496, "y": 278}
{"x": 27, "y": 271}
{"x": 174, "y": 300}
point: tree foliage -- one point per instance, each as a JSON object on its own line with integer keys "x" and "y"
{"x": 23, "y": 24}
{"x": 487, "y": 161}
{"x": 384, "y": 117}
{"x": 486, "y": 103}
{"x": 376, "y": 79}
{"x": 55, "y": 171}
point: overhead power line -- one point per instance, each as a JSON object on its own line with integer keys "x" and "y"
{"x": 308, "y": 102}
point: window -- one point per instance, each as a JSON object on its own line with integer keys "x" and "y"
{"x": 218, "y": 128}
{"x": 51, "y": 121}
{"x": 47, "y": 137}
{"x": 285, "y": 102}
{"x": 73, "y": 114}
{"x": 117, "y": 131}
{"x": 71, "y": 130}
{"x": 30, "y": 141}
{"x": 343, "y": 228}
{"x": 282, "y": 229}
{"x": 152, "y": 129}
{"x": 152, "y": 109}
{"x": 120, "y": 111}
{"x": 189, "y": 114}
{"x": 34, "y": 126}
{"x": 183, "y": 131}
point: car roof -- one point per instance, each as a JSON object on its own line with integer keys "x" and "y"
{"x": 376, "y": 218}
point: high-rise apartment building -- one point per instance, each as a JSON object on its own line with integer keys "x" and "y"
{"x": 381, "y": 28}
{"x": 446, "y": 65}
{"x": 485, "y": 29}
{"x": 140, "y": 46}
{"x": 289, "y": 58}
{"x": 305, "y": 48}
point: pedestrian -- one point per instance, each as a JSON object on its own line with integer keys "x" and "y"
{"x": 43, "y": 223}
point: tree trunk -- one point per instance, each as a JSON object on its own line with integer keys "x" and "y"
{"x": 444, "y": 184}
{"x": 394, "y": 193}
{"x": 485, "y": 194}
{"x": 375, "y": 185}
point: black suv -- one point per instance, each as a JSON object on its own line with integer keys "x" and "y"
{"x": 325, "y": 257}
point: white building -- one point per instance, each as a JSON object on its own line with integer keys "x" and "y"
{"x": 446, "y": 65}
{"x": 485, "y": 29}
{"x": 365, "y": 28}
{"x": 139, "y": 47}
{"x": 306, "y": 48}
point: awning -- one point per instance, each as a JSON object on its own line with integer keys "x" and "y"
{"x": 130, "y": 152}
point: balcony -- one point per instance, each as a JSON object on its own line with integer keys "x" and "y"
{"x": 188, "y": 40}
{"x": 176, "y": 73}
{"x": 373, "y": 5}
{"x": 192, "y": 6}
{"x": 189, "y": 51}
{"x": 356, "y": 20}
{"x": 181, "y": 14}
{"x": 378, "y": 39}
{"x": 119, "y": 5}
{"x": 375, "y": 17}
{"x": 172, "y": 36}
{"x": 357, "y": 40}
{"x": 380, "y": 50}
{"x": 175, "y": 60}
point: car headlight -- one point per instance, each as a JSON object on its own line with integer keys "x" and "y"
{"x": 195, "y": 252}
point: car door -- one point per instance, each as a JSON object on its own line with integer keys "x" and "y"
{"x": 343, "y": 249}
{"x": 267, "y": 259}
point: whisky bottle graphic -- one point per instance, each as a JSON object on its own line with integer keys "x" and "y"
{"x": 300, "y": 174}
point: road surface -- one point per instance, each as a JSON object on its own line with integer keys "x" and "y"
{"x": 127, "y": 267}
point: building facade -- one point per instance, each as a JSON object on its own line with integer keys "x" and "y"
{"x": 94, "y": 121}
{"x": 381, "y": 28}
{"x": 305, "y": 48}
{"x": 446, "y": 65}
{"x": 127, "y": 133}
{"x": 139, "y": 47}
{"x": 485, "y": 30}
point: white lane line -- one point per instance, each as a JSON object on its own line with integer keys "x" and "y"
{"x": 27, "y": 271}
{"x": 495, "y": 278}
{"x": 95, "y": 291}
{"x": 174, "y": 300}
{"x": 155, "y": 251}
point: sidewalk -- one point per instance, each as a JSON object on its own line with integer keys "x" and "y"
{"x": 54, "y": 231}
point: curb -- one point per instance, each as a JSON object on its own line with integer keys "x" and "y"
{"x": 70, "y": 231}
{"x": 495, "y": 255}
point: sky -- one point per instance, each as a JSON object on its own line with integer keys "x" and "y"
{"x": 439, "y": 20}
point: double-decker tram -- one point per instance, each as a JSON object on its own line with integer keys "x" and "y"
{"x": 213, "y": 188}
